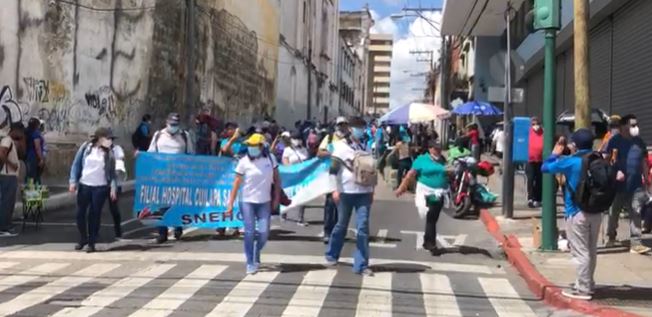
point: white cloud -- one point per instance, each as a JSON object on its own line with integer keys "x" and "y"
{"x": 419, "y": 35}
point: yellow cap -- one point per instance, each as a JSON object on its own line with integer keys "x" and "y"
{"x": 255, "y": 139}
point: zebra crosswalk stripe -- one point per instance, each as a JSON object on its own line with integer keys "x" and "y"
{"x": 438, "y": 296}
{"x": 310, "y": 295}
{"x": 30, "y": 274}
{"x": 58, "y": 286}
{"x": 115, "y": 292}
{"x": 504, "y": 298}
{"x": 181, "y": 291}
{"x": 375, "y": 299}
{"x": 244, "y": 295}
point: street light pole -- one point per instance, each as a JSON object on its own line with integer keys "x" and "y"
{"x": 508, "y": 165}
{"x": 549, "y": 212}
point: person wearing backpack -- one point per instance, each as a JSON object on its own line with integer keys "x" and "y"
{"x": 93, "y": 178}
{"x": 171, "y": 140}
{"x": 142, "y": 137}
{"x": 583, "y": 211}
{"x": 354, "y": 178}
{"x": 629, "y": 153}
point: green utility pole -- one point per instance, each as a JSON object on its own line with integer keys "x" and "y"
{"x": 547, "y": 16}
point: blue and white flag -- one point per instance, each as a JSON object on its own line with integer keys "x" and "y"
{"x": 193, "y": 191}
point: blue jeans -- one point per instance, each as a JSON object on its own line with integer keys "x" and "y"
{"x": 361, "y": 203}
{"x": 330, "y": 215}
{"x": 90, "y": 200}
{"x": 256, "y": 230}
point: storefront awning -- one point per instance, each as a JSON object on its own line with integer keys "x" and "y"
{"x": 475, "y": 17}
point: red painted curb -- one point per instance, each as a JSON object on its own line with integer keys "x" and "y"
{"x": 537, "y": 283}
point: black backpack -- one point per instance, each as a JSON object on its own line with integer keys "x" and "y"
{"x": 597, "y": 186}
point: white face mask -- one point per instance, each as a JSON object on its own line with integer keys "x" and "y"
{"x": 536, "y": 127}
{"x": 634, "y": 131}
{"x": 296, "y": 143}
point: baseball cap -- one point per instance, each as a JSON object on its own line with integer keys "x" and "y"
{"x": 286, "y": 134}
{"x": 255, "y": 140}
{"x": 341, "y": 120}
{"x": 174, "y": 118}
{"x": 583, "y": 139}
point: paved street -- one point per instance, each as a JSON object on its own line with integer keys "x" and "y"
{"x": 40, "y": 275}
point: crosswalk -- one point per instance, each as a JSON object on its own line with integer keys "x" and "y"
{"x": 68, "y": 284}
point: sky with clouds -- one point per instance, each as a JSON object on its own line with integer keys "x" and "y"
{"x": 410, "y": 34}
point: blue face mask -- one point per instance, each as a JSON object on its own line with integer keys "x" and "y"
{"x": 357, "y": 133}
{"x": 173, "y": 129}
{"x": 253, "y": 151}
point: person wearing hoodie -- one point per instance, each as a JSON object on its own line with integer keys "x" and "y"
{"x": 533, "y": 168}
{"x": 582, "y": 228}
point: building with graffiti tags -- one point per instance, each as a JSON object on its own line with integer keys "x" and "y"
{"x": 81, "y": 64}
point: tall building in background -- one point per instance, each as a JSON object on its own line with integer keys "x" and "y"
{"x": 354, "y": 31}
{"x": 380, "y": 65}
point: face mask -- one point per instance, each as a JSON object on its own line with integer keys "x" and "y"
{"x": 173, "y": 129}
{"x": 296, "y": 143}
{"x": 536, "y": 127}
{"x": 357, "y": 133}
{"x": 106, "y": 143}
{"x": 253, "y": 151}
{"x": 388, "y": 130}
{"x": 634, "y": 131}
{"x": 615, "y": 131}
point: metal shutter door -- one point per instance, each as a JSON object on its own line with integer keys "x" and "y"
{"x": 535, "y": 94}
{"x": 600, "y": 66}
{"x": 569, "y": 82}
{"x": 632, "y": 63}
{"x": 560, "y": 84}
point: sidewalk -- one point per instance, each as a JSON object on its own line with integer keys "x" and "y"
{"x": 624, "y": 279}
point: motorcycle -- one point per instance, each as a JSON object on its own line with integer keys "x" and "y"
{"x": 463, "y": 187}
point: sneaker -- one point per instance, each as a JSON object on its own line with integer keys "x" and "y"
{"x": 611, "y": 243}
{"x": 302, "y": 223}
{"x": 639, "y": 249}
{"x": 252, "y": 269}
{"x": 91, "y": 249}
{"x": 79, "y": 246}
{"x": 530, "y": 203}
{"x": 575, "y": 294}
{"x": 366, "y": 272}
{"x": 161, "y": 240}
{"x": 7, "y": 234}
{"x": 178, "y": 233}
{"x": 330, "y": 262}
{"x": 537, "y": 204}
{"x": 325, "y": 239}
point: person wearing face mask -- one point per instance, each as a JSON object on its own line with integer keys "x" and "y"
{"x": 93, "y": 177}
{"x": 402, "y": 150}
{"x": 351, "y": 194}
{"x": 582, "y": 228}
{"x": 325, "y": 149}
{"x": 293, "y": 154}
{"x": 431, "y": 174}
{"x": 171, "y": 140}
{"x": 629, "y": 156}
{"x": 258, "y": 180}
{"x": 9, "y": 170}
{"x": 533, "y": 168}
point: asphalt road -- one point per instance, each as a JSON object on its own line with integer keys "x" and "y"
{"x": 41, "y": 275}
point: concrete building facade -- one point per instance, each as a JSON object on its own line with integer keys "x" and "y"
{"x": 308, "y": 61}
{"x": 380, "y": 65}
{"x": 355, "y": 29}
{"x": 109, "y": 62}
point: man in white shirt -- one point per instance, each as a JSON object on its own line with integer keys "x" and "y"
{"x": 171, "y": 140}
{"x": 350, "y": 196}
{"x": 9, "y": 166}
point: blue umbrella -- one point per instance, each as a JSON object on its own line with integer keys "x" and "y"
{"x": 477, "y": 108}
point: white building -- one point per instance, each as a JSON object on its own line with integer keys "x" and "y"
{"x": 307, "y": 87}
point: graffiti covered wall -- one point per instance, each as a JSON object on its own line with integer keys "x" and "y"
{"x": 82, "y": 64}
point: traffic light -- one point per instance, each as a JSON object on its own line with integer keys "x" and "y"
{"x": 546, "y": 14}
